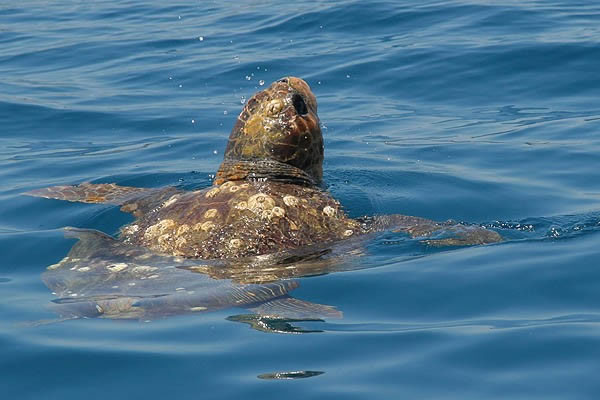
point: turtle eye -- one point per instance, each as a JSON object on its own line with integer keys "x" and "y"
{"x": 284, "y": 80}
{"x": 299, "y": 104}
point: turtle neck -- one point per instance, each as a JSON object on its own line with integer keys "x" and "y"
{"x": 266, "y": 170}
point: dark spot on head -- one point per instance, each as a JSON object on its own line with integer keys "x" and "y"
{"x": 299, "y": 104}
{"x": 284, "y": 80}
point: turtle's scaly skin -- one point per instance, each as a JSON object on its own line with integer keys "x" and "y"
{"x": 265, "y": 196}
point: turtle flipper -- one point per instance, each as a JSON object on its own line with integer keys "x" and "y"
{"x": 465, "y": 235}
{"x": 109, "y": 193}
{"x": 455, "y": 234}
{"x": 290, "y": 307}
{"x": 273, "y": 324}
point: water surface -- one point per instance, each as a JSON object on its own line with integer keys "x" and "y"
{"x": 469, "y": 110}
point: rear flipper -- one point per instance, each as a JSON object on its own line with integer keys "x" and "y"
{"x": 292, "y": 308}
{"x": 109, "y": 193}
{"x": 273, "y": 325}
{"x": 279, "y": 315}
{"x": 460, "y": 234}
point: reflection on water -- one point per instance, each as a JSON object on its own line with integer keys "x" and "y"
{"x": 104, "y": 278}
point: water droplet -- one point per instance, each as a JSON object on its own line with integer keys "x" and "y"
{"x": 215, "y": 151}
{"x": 193, "y": 121}
{"x": 248, "y": 77}
{"x": 347, "y": 75}
{"x": 225, "y": 112}
{"x": 243, "y": 99}
{"x": 261, "y": 82}
{"x": 180, "y": 85}
{"x": 319, "y": 82}
{"x": 201, "y": 38}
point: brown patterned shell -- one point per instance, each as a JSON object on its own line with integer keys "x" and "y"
{"x": 239, "y": 219}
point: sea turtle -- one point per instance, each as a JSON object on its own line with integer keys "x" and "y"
{"x": 266, "y": 199}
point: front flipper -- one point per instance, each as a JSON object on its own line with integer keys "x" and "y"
{"x": 109, "y": 193}
{"x": 460, "y": 234}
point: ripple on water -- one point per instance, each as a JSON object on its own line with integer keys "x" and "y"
{"x": 484, "y": 113}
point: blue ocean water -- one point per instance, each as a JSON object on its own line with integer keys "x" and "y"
{"x": 469, "y": 110}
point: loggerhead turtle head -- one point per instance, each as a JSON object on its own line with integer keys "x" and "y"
{"x": 277, "y": 129}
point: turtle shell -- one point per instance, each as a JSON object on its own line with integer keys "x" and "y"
{"x": 238, "y": 219}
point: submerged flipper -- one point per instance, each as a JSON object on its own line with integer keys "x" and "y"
{"x": 273, "y": 325}
{"x": 108, "y": 193}
{"x": 464, "y": 235}
{"x": 452, "y": 233}
{"x": 292, "y": 308}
